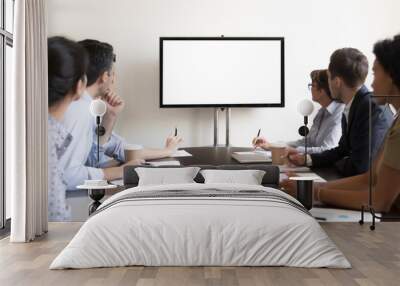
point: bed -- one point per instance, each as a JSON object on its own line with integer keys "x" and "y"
{"x": 197, "y": 224}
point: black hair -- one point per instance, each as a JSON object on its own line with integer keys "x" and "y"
{"x": 67, "y": 64}
{"x": 101, "y": 58}
{"x": 350, "y": 64}
{"x": 387, "y": 52}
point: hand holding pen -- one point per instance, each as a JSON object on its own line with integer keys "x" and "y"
{"x": 173, "y": 141}
{"x": 260, "y": 141}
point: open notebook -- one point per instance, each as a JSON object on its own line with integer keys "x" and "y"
{"x": 252, "y": 156}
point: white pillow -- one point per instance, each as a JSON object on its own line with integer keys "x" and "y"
{"x": 248, "y": 177}
{"x": 166, "y": 176}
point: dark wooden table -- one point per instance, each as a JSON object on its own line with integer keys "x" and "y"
{"x": 222, "y": 156}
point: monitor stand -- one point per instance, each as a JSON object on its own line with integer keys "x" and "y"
{"x": 227, "y": 126}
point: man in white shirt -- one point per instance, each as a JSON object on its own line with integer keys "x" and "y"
{"x": 80, "y": 161}
{"x": 326, "y": 129}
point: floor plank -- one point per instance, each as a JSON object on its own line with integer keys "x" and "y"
{"x": 374, "y": 255}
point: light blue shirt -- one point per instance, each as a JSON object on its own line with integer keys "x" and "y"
{"x": 59, "y": 141}
{"x": 325, "y": 131}
{"x": 80, "y": 160}
{"x": 113, "y": 149}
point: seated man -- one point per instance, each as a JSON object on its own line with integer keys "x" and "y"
{"x": 326, "y": 129}
{"x": 347, "y": 71}
{"x": 78, "y": 161}
{"x": 353, "y": 192}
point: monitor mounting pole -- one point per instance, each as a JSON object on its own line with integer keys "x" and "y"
{"x": 227, "y": 126}
{"x": 216, "y": 126}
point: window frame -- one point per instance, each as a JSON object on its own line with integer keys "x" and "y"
{"x": 6, "y": 39}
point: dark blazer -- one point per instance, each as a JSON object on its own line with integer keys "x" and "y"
{"x": 351, "y": 157}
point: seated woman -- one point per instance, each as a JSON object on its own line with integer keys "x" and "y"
{"x": 67, "y": 64}
{"x": 326, "y": 129}
{"x": 353, "y": 192}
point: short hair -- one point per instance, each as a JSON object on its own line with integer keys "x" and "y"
{"x": 67, "y": 64}
{"x": 101, "y": 58}
{"x": 320, "y": 78}
{"x": 350, "y": 64}
{"x": 387, "y": 52}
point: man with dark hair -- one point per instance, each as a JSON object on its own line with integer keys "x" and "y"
{"x": 102, "y": 58}
{"x": 80, "y": 162}
{"x": 348, "y": 69}
{"x": 101, "y": 78}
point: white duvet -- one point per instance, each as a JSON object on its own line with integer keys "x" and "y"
{"x": 193, "y": 231}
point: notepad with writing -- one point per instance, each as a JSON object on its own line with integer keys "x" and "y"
{"x": 252, "y": 157}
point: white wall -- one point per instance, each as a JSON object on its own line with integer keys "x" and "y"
{"x": 313, "y": 29}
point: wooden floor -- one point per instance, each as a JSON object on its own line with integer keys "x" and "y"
{"x": 375, "y": 257}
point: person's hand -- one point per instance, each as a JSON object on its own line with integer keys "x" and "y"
{"x": 260, "y": 142}
{"x": 172, "y": 143}
{"x": 115, "y": 104}
{"x": 290, "y": 151}
{"x": 297, "y": 159}
{"x": 289, "y": 186}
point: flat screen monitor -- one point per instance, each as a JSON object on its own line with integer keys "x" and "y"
{"x": 222, "y": 72}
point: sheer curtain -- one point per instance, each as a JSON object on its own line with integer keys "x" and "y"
{"x": 26, "y": 120}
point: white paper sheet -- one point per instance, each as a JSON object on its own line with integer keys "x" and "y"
{"x": 319, "y": 179}
{"x": 119, "y": 182}
{"x": 252, "y": 156}
{"x": 181, "y": 153}
{"x": 164, "y": 163}
{"x": 256, "y": 152}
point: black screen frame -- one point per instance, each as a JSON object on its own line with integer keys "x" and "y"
{"x": 282, "y": 41}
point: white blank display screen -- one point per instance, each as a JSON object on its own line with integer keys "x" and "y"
{"x": 221, "y": 72}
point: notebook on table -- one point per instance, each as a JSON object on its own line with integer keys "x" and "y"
{"x": 252, "y": 156}
{"x": 163, "y": 163}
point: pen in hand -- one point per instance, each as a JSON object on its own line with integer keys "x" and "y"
{"x": 176, "y": 132}
{"x": 258, "y": 135}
